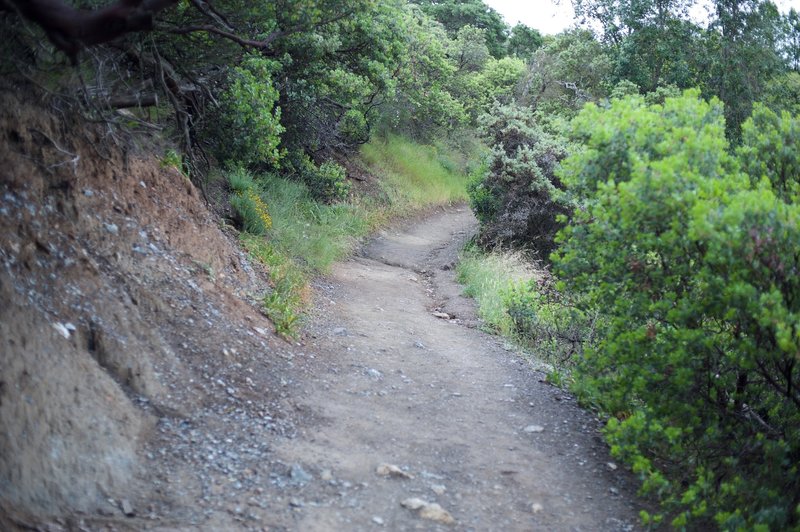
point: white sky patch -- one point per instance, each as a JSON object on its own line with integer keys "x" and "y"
{"x": 551, "y": 16}
{"x": 547, "y": 16}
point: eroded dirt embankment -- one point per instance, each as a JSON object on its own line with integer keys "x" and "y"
{"x": 124, "y": 309}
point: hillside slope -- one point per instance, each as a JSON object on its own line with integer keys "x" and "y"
{"x": 122, "y": 303}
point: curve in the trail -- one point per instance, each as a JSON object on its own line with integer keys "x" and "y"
{"x": 475, "y": 426}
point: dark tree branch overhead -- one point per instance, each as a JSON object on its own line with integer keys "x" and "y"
{"x": 247, "y": 43}
{"x": 71, "y": 29}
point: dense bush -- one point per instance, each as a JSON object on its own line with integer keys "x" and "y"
{"x": 696, "y": 268}
{"x": 769, "y": 150}
{"x": 519, "y": 199}
{"x": 326, "y": 182}
{"x": 245, "y": 129}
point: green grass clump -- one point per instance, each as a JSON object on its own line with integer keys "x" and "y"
{"x": 314, "y": 233}
{"x": 414, "y": 176}
{"x": 290, "y": 292}
{"x": 240, "y": 180}
{"x": 305, "y": 238}
{"x": 519, "y": 302}
{"x": 251, "y": 212}
{"x": 490, "y": 279}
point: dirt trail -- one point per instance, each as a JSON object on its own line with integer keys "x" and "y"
{"x": 472, "y": 422}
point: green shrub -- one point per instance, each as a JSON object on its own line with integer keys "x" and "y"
{"x": 353, "y": 128}
{"x": 173, "y": 159}
{"x": 770, "y": 151}
{"x": 245, "y": 129}
{"x": 550, "y": 322}
{"x": 327, "y": 182}
{"x": 782, "y": 92}
{"x": 485, "y": 197}
{"x": 697, "y": 273}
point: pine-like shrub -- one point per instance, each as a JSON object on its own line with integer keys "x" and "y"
{"x": 518, "y": 200}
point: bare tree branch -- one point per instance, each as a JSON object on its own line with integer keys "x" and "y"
{"x": 209, "y": 11}
{"x": 247, "y": 43}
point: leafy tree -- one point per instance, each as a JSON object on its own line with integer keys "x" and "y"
{"x": 424, "y": 105}
{"x": 666, "y": 54}
{"x": 695, "y": 265}
{"x": 743, "y": 46}
{"x": 619, "y": 19}
{"x": 468, "y": 50}
{"x": 245, "y": 129}
{"x": 568, "y": 71}
{"x": 335, "y": 76}
{"x": 496, "y": 82}
{"x": 524, "y": 41}
{"x": 790, "y": 40}
{"x": 655, "y": 43}
{"x": 782, "y": 93}
{"x": 769, "y": 151}
{"x": 455, "y": 14}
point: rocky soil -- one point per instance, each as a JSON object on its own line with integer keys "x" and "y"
{"x": 142, "y": 389}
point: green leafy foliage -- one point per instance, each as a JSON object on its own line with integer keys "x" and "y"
{"x": 246, "y": 129}
{"x": 770, "y": 151}
{"x": 782, "y": 93}
{"x": 694, "y": 264}
{"x": 551, "y": 322}
{"x": 337, "y": 73}
{"x": 172, "y": 159}
{"x": 569, "y": 70}
{"x": 425, "y": 106}
{"x": 327, "y": 182}
{"x": 455, "y": 14}
{"x": 524, "y": 41}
